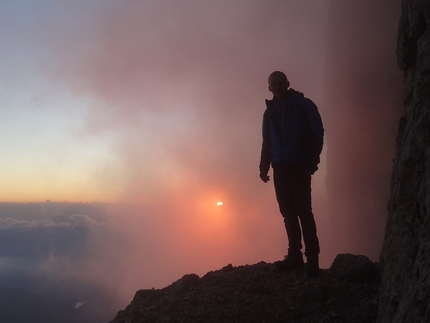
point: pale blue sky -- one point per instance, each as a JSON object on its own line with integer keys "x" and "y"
{"x": 41, "y": 120}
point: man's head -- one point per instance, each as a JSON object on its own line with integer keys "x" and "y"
{"x": 278, "y": 85}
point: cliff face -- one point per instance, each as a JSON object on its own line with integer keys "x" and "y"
{"x": 405, "y": 256}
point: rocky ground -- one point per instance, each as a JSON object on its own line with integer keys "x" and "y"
{"x": 347, "y": 292}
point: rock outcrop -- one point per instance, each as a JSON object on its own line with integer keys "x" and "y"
{"x": 260, "y": 293}
{"x": 405, "y": 256}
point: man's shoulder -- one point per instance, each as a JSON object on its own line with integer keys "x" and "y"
{"x": 306, "y": 102}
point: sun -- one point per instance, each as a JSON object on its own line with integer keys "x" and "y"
{"x": 219, "y": 203}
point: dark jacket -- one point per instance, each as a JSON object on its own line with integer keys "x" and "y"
{"x": 292, "y": 134}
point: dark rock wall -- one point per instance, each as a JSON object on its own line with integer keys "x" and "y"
{"x": 405, "y": 256}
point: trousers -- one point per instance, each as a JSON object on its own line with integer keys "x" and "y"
{"x": 293, "y": 193}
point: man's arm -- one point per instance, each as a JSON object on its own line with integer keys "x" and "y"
{"x": 265, "y": 150}
{"x": 315, "y": 121}
{"x": 316, "y": 128}
{"x": 316, "y": 135}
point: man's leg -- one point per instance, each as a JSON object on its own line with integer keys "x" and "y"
{"x": 285, "y": 196}
{"x": 304, "y": 210}
{"x": 302, "y": 196}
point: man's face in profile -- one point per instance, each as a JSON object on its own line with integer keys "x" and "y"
{"x": 278, "y": 85}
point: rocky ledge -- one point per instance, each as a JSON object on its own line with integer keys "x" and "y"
{"x": 346, "y": 292}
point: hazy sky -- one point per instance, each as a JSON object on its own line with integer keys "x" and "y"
{"x": 109, "y": 101}
{"x": 154, "y": 108}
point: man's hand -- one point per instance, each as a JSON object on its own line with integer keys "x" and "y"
{"x": 264, "y": 177}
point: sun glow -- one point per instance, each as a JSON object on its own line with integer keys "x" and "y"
{"x": 219, "y": 203}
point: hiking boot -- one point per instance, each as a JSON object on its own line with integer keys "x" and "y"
{"x": 290, "y": 262}
{"x": 312, "y": 266}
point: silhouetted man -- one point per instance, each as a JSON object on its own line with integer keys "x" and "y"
{"x": 292, "y": 143}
